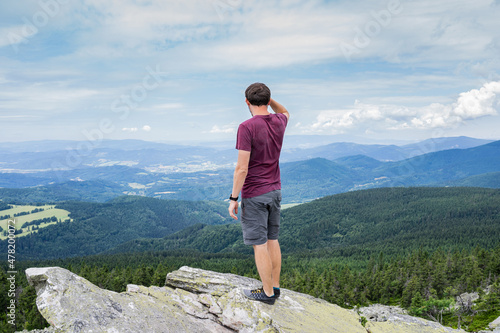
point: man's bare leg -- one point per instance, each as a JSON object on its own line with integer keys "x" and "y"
{"x": 264, "y": 267}
{"x": 273, "y": 247}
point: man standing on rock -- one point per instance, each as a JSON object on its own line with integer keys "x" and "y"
{"x": 257, "y": 176}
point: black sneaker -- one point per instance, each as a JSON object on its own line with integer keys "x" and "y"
{"x": 259, "y": 295}
{"x": 276, "y": 292}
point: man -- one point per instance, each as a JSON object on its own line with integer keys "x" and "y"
{"x": 257, "y": 176}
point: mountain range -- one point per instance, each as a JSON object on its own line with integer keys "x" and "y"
{"x": 39, "y": 156}
{"x": 349, "y": 205}
{"x": 302, "y": 180}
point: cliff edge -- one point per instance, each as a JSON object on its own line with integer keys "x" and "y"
{"x": 195, "y": 300}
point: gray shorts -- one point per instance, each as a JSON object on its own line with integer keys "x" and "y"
{"x": 260, "y": 218}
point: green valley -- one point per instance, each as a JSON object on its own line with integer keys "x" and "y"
{"x": 415, "y": 247}
{"x": 97, "y": 227}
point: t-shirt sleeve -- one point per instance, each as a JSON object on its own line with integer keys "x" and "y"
{"x": 243, "y": 138}
{"x": 283, "y": 118}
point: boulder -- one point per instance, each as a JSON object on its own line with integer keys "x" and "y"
{"x": 194, "y": 300}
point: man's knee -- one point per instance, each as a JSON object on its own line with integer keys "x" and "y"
{"x": 260, "y": 246}
{"x": 273, "y": 244}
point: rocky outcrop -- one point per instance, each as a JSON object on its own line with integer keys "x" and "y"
{"x": 195, "y": 300}
{"x": 395, "y": 319}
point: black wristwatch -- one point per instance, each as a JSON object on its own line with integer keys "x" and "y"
{"x": 231, "y": 198}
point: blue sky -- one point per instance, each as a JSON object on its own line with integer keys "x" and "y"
{"x": 177, "y": 70}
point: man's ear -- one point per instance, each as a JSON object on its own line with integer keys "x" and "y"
{"x": 247, "y": 101}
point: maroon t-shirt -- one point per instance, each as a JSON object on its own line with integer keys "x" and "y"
{"x": 262, "y": 136}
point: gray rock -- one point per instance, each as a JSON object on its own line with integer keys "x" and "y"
{"x": 72, "y": 304}
{"x": 377, "y": 312}
{"x": 396, "y": 319}
{"x": 201, "y": 281}
{"x": 466, "y": 299}
{"x": 196, "y": 300}
{"x": 495, "y": 325}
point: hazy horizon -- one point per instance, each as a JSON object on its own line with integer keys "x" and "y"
{"x": 290, "y": 141}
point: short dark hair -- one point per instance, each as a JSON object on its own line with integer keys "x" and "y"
{"x": 258, "y": 94}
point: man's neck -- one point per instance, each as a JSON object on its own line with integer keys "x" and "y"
{"x": 259, "y": 110}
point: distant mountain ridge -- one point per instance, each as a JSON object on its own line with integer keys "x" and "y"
{"x": 55, "y": 155}
{"x": 65, "y": 145}
{"x": 452, "y": 164}
{"x": 361, "y": 172}
{"x": 380, "y": 152}
{"x": 301, "y": 181}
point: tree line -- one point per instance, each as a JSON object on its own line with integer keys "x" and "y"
{"x": 4, "y": 206}
{"x": 427, "y": 284}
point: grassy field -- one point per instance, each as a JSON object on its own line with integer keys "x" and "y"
{"x": 48, "y": 211}
{"x": 285, "y": 206}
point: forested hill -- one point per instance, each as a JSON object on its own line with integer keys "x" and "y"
{"x": 447, "y": 165}
{"x": 360, "y": 223}
{"x": 395, "y": 219}
{"x": 97, "y": 227}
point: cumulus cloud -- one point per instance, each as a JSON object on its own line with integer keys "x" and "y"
{"x": 469, "y": 105}
{"x": 146, "y": 128}
{"x": 478, "y": 102}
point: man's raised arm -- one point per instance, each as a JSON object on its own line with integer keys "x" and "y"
{"x": 278, "y": 108}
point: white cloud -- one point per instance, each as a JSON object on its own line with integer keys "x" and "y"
{"x": 92, "y": 52}
{"x": 36, "y": 97}
{"x": 470, "y": 105}
{"x": 130, "y": 129}
{"x": 478, "y": 103}
{"x": 14, "y": 35}
{"x": 428, "y": 33}
{"x": 145, "y": 128}
{"x": 146, "y": 27}
{"x": 227, "y": 129}
{"x": 167, "y": 106}
{"x": 272, "y": 33}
